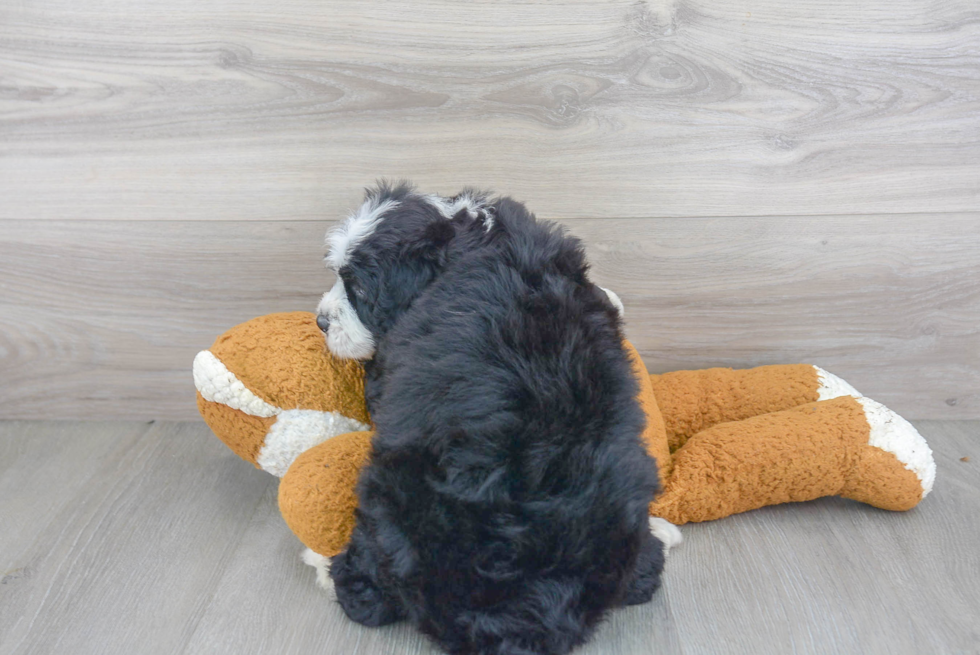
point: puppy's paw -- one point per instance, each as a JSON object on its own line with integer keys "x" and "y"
{"x": 361, "y": 599}
{"x": 649, "y": 567}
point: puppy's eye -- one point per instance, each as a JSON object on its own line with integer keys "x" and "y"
{"x": 355, "y": 288}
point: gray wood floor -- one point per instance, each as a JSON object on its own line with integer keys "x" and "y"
{"x": 124, "y": 537}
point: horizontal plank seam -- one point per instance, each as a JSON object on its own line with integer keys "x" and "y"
{"x": 560, "y": 218}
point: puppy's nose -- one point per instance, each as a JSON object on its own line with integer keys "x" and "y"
{"x": 322, "y": 322}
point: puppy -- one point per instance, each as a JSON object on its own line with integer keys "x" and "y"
{"x": 504, "y": 508}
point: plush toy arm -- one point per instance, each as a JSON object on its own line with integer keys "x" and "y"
{"x": 691, "y": 401}
{"x": 852, "y": 447}
{"x": 318, "y": 497}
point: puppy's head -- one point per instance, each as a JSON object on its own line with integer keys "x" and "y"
{"x": 384, "y": 255}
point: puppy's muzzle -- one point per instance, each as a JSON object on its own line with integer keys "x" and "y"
{"x": 323, "y": 322}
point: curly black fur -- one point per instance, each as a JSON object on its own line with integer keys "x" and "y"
{"x": 504, "y": 509}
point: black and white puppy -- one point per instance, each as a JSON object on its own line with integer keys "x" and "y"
{"x": 504, "y": 508}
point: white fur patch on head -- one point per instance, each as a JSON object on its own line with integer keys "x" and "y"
{"x": 347, "y": 337}
{"x": 475, "y": 207}
{"x": 894, "y": 434}
{"x": 832, "y": 386}
{"x": 666, "y": 532}
{"x": 342, "y": 241}
{"x": 322, "y": 566}
{"x": 217, "y": 384}
{"x": 296, "y": 431}
{"x": 615, "y": 300}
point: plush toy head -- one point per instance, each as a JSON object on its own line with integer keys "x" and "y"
{"x": 725, "y": 441}
{"x": 269, "y": 390}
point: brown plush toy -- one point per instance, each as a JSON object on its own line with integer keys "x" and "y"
{"x": 726, "y": 441}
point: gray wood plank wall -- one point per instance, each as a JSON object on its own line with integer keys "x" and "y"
{"x": 764, "y": 183}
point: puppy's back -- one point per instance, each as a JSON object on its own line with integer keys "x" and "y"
{"x": 508, "y": 476}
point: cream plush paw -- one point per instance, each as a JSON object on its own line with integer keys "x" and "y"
{"x": 891, "y": 440}
{"x": 668, "y": 533}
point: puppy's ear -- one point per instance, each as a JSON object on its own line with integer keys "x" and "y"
{"x": 434, "y": 244}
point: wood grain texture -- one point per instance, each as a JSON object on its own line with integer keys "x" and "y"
{"x": 41, "y": 471}
{"x": 123, "y": 562}
{"x": 282, "y": 110}
{"x": 892, "y": 306}
{"x": 295, "y": 615}
{"x": 102, "y": 319}
{"x": 838, "y": 576}
{"x": 159, "y": 540}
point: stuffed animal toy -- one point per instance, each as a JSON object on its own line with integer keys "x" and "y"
{"x": 726, "y": 441}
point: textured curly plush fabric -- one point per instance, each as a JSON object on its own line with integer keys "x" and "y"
{"x": 655, "y": 434}
{"x": 257, "y": 373}
{"x": 692, "y": 401}
{"x": 807, "y": 452}
{"x": 283, "y": 360}
{"x": 242, "y": 433}
{"x": 316, "y": 496}
{"x": 741, "y": 439}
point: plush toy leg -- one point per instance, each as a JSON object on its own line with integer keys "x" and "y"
{"x": 691, "y": 401}
{"x": 852, "y": 447}
{"x": 317, "y": 495}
